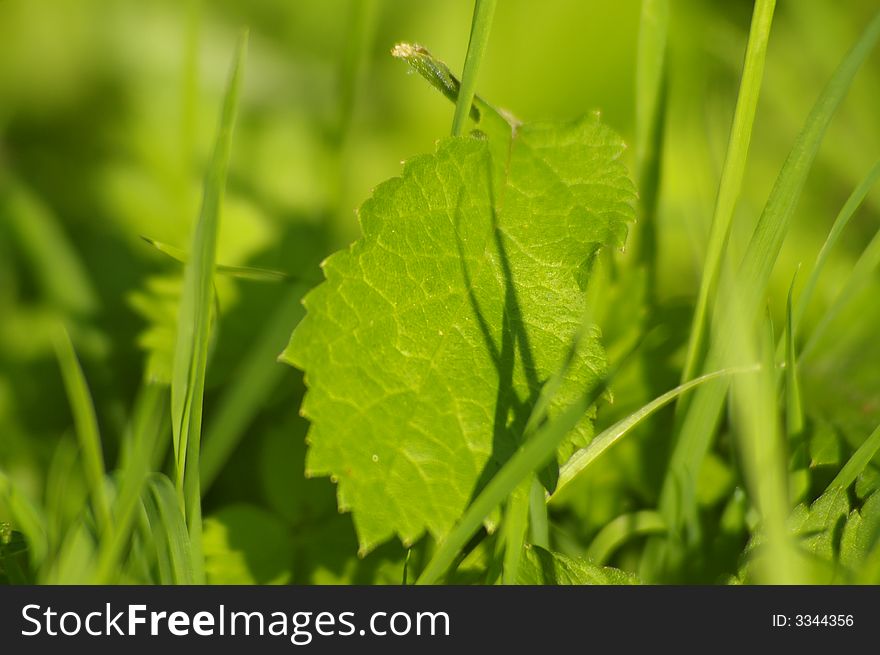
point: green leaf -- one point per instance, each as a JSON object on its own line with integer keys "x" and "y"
{"x": 818, "y": 525}
{"x": 824, "y": 445}
{"x": 867, "y": 483}
{"x": 246, "y": 545}
{"x": 858, "y": 462}
{"x": 543, "y": 567}
{"x": 430, "y": 341}
{"x": 861, "y": 533}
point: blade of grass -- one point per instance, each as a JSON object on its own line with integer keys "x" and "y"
{"x": 149, "y": 425}
{"x": 355, "y": 56}
{"x": 846, "y": 213}
{"x": 858, "y": 462}
{"x": 514, "y": 528}
{"x": 169, "y": 532}
{"x": 539, "y": 522}
{"x": 677, "y": 501}
{"x": 86, "y": 424}
{"x": 240, "y": 272}
{"x": 620, "y": 530}
{"x": 794, "y": 412}
{"x": 731, "y": 176}
{"x": 861, "y": 275}
{"x": 758, "y": 438}
{"x": 602, "y": 442}
{"x": 56, "y": 265}
{"x": 191, "y": 352}
{"x": 481, "y": 25}
{"x": 650, "y": 115}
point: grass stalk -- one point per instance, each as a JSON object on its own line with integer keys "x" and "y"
{"x": 848, "y": 210}
{"x": 731, "y": 176}
{"x": 650, "y": 114}
{"x": 481, "y": 25}
{"x": 86, "y": 427}
{"x": 194, "y": 325}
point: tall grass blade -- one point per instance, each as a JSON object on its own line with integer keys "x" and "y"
{"x": 650, "y": 114}
{"x": 731, "y": 176}
{"x": 86, "y": 424}
{"x": 539, "y": 521}
{"x": 481, "y": 25}
{"x": 846, "y": 213}
{"x": 794, "y": 411}
{"x": 191, "y": 353}
{"x": 360, "y": 32}
{"x": 516, "y": 523}
{"x": 862, "y": 274}
{"x": 758, "y": 438}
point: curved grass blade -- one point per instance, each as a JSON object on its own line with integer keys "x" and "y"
{"x": 481, "y": 25}
{"x": 731, "y": 176}
{"x": 169, "y": 530}
{"x": 861, "y": 275}
{"x": 620, "y": 530}
{"x": 86, "y": 424}
{"x": 193, "y": 337}
{"x": 846, "y": 213}
{"x": 586, "y": 456}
